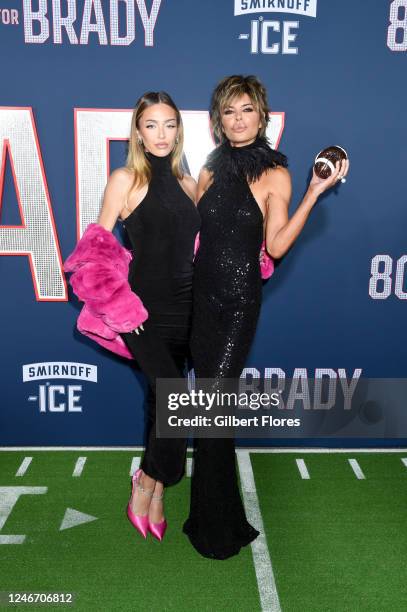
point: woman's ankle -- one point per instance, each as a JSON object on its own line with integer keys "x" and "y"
{"x": 147, "y": 483}
{"x": 156, "y": 509}
{"x": 158, "y": 489}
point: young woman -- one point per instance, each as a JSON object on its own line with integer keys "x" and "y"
{"x": 155, "y": 200}
{"x": 244, "y": 191}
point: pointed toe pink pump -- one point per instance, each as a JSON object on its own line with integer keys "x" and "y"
{"x": 140, "y": 522}
{"x": 158, "y": 529}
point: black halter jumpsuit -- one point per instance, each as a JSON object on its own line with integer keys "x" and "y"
{"x": 227, "y": 291}
{"x": 162, "y": 231}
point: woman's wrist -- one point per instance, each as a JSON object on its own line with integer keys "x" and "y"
{"x": 312, "y": 194}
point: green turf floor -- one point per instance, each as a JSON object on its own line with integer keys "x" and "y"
{"x": 106, "y": 562}
{"x": 336, "y": 543}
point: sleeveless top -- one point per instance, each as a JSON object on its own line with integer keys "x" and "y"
{"x": 162, "y": 231}
{"x": 227, "y": 269}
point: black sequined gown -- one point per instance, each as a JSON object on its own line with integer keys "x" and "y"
{"x": 162, "y": 231}
{"x": 227, "y": 291}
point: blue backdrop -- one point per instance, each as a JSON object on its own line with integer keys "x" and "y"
{"x": 335, "y": 74}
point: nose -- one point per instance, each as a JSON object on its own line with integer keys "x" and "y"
{"x": 161, "y": 133}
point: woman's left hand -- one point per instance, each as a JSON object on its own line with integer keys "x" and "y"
{"x": 318, "y": 185}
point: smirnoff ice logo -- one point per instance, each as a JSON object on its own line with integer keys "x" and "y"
{"x": 62, "y": 394}
{"x": 273, "y": 36}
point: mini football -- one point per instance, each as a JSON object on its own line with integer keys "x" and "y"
{"x": 325, "y": 161}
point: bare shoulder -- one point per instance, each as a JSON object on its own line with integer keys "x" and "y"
{"x": 204, "y": 179}
{"x": 118, "y": 186}
{"x": 277, "y": 179}
{"x": 189, "y": 180}
{"x": 121, "y": 177}
{"x": 205, "y": 175}
{"x": 114, "y": 197}
{"x": 279, "y": 173}
{"x": 190, "y": 186}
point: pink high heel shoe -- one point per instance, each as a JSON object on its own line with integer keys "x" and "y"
{"x": 158, "y": 529}
{"x": 140, "y": 522}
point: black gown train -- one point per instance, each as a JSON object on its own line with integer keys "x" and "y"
{"x": 227, "y": 293}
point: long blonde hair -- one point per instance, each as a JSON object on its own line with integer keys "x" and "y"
{"x": 137, "y": 161}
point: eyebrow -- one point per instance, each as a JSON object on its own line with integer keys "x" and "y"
{"x": 165, "y": 120}
{"x": 243, "y": 105}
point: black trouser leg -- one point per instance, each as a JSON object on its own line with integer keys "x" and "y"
{"x": 164, "y": 458}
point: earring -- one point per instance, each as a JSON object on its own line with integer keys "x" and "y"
{"x": 139, "y": 140}
{"x": 176, "y": 140}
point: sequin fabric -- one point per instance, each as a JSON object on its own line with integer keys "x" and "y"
{"x": 227, "y": 290}
{"x": 227, "y": 282}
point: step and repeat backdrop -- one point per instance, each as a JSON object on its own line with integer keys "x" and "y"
{"x": 335, "y": 307}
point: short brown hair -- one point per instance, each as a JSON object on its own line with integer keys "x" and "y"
{"x": 232, "y": 87}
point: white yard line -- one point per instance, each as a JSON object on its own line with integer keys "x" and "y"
{"x": 357, "y": 469}
{"x": 135, "y": 464}
{"x": 261, "y": 557}
{"x": 188, "y": 471}
{"x": 24, "y": 466}
{"x": 302, "y": 469}
{"x": 79, "y": 465}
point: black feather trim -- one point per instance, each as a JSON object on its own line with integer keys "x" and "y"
{"x": 246, "y": 162}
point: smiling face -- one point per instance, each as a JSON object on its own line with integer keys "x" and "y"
{"x": 158, "y": 129}
{"x": 240, "y": 121}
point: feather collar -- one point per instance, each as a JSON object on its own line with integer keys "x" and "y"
{"x": 246, "y": 162}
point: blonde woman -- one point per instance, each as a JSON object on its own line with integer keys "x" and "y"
{"x": 145, "y": 315}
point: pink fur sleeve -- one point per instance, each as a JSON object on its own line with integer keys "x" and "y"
{"x": 99, "y": 266}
